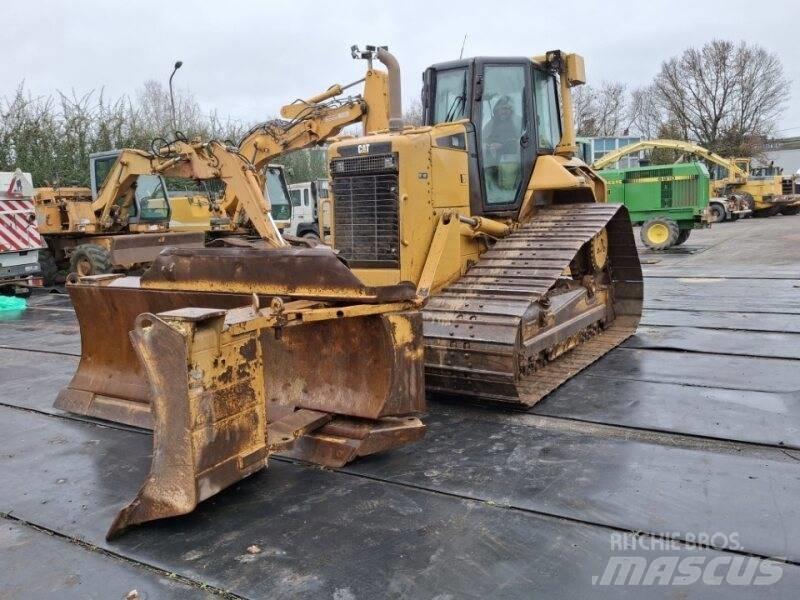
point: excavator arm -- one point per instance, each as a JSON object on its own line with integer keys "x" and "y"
{"x": 307, "y": 123}
{"x": 734, "y": 171}
{"x": 199, "y": 161}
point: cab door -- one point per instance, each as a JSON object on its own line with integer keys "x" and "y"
{"x": 504, "y": 125}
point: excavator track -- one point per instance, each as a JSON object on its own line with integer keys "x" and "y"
{"x": 521, "y": 322}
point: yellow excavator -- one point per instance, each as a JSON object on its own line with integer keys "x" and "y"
{"x": 105, "y": 227}
{"x": 482, "y": 219}
{"x": 765, "y": 196}
{"x": 105, "y": 230}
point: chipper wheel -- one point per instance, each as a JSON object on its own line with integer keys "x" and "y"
{"x": 660, "y": 233}
{"x": 90, "y": 259}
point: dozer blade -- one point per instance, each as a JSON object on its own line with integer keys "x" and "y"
{"x": 210, "y": 421}
{"x": 534, "y": 311}
{"x": 365, "y": 369}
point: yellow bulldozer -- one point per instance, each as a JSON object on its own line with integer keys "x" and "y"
{"x": 531, "y": 276}
{"x": 477, "y": 246}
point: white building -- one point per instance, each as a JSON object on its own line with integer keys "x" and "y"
{"x": 597, "y": 147}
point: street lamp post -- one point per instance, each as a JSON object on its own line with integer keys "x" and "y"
{"x": 178, "y": 65}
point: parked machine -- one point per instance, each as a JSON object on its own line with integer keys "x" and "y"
{"x": 530, "y": 275}
{"x": 731, "y": 181}
{"x": 667, "y": 201}
{"x": 20, "y": 242}
{"x": 790, "y": 184}
{"x": 480, "y": 248}
{"x": 201, "y": 205}
{"x": 310, "y": 208}
{"x": 108, "y": 226}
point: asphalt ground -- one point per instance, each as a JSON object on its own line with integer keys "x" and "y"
{"x": 682, "y": 444}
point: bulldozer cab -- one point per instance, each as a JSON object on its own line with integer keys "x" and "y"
{"x": 150, "y": 203}
{"x": 512, "y": 109}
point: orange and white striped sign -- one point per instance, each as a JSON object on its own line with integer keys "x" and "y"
{"x": 18, "y": 231}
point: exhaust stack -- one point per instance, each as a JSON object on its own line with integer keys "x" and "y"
{"x": 395, "y": 91}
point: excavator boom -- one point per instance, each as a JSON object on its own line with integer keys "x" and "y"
{"x": 310, "y": 122}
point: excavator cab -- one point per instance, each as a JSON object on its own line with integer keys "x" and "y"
{"x": 512, "y": 108}
{"x": 277, "y": 191}
{"x": 149, "y": 207}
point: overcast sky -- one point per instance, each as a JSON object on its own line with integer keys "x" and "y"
{"x": 246, "y": 59}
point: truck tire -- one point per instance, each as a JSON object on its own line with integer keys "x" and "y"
{"x": 683, "y": 236}
{"x": 717, "y": 212}
{"x": 48, "y": 267}
{"x": 790, "y": 210}
{"x": 659, "y": 233}
{"x": 89, "y": 259}
{"x": 766, "y": 212}
{"x": 311, "y": 235}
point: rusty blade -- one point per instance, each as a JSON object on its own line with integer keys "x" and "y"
{"x": 209, "y": 417}
{"x": 311, "y": 273}
{"x": 368, "y": 366}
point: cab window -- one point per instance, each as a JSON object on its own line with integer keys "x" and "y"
{"x": 102, "y": 167}
{"x": 548, "y": 122}
{"x": 296, "y": 194}
{"x": 278, "y": 197}
{"x": 450, "y": 103}
{"x": 503, "y": 125}
{"x": 151, "y": 198}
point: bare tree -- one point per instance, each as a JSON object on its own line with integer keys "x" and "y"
{"x": 645, "y": 114}
{"x": 602, "y": 111}
{"x": 53, "y": 136}
{"x": 412, "y": 115}
{"x": 611, "y": 108}
{"x": 723, "y": 95}
{"x": 584, "y": 107}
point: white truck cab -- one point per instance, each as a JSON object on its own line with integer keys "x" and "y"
{"x": 308, "y": 199}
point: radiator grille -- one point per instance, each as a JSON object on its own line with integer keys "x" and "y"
{"x": 372, "y": 163}
{"x": 366, "y": 220}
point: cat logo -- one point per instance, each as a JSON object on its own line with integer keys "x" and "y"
{"x": 363, "y": 149}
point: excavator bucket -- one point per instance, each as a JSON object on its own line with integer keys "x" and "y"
{"x": 329, "y": 371}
